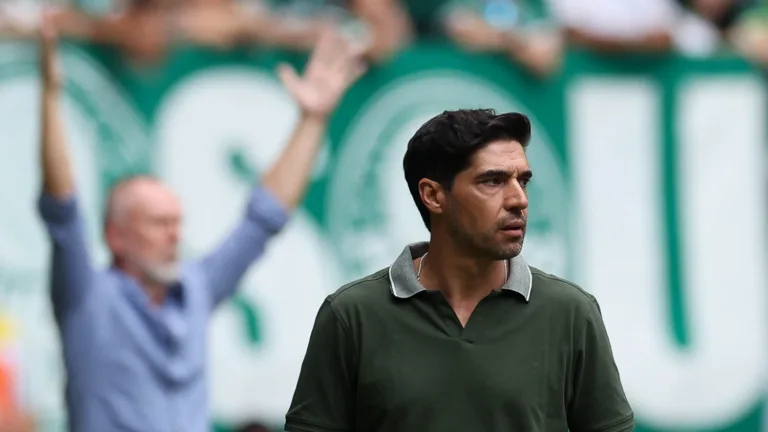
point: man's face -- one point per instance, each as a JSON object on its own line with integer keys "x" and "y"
{"x": 487, "y": 207}
{"x": 149, "y": 235}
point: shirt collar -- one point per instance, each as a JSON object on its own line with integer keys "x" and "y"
{"x": 176, "y": 291}
{"x": 404, "y": 283}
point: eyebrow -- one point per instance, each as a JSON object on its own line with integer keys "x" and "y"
{"x": 496, "y": 173}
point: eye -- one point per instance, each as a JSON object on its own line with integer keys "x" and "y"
{"x": 524, "y": 182}
{"x": 493, "y": 181}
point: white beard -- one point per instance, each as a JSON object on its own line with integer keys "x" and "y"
{"x": 160, "y": 273}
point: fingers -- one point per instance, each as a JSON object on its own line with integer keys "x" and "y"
{"x": 289, "y": 78}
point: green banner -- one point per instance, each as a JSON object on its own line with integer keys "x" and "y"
{"x": 648, "y": 191}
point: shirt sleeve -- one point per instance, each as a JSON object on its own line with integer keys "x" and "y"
{"x": 225, "y": 266}
{"x": 325, "y": 393}
{"x": 71, "y": 269}
{"x": 598, "y": 402}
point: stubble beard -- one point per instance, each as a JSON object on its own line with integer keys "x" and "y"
{"x": 483, "y": 245}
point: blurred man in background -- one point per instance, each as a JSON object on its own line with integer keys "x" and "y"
{"x": 134, "y": 335}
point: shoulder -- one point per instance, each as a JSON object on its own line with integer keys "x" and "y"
{"x": 362, "y": 299}
{"x": 559, "y": 292}
{"x": 369, "y": 289}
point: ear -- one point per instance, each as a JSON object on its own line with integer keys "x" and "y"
{"x": 432, "y": 195}
{"x": 112, "y": 237}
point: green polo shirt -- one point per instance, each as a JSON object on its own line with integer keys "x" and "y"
{"x": 387, "y": 355}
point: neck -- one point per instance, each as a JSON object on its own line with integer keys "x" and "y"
{"x": 155, "y": 291}
{"x": 458, "y": 274}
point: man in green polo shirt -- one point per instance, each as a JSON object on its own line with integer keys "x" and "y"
{"x": 460, "y": 334}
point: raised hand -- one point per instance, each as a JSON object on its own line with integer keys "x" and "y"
{"x": 50, "y": 71}
{"x": 334, "y": 65}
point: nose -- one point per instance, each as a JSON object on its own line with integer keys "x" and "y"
{"x": 172, "y": 230}
{"x": 516, "y": 197}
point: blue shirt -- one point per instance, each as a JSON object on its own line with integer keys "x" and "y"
{"x": 132, "y": 366}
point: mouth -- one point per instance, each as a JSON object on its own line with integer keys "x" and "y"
{"x": 514, "y": 228}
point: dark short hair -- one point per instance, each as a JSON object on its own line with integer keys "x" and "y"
{"x": 445, "y": 144}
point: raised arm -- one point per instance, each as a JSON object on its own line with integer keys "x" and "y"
{"x": 58, "y": 181}
{"x": 333, "y": 66}
{"x": 71, "y": 270}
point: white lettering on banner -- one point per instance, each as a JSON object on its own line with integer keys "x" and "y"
{"x": 217, "y": 130}
{"x": 617, "y": 159}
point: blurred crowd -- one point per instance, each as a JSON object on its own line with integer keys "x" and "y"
{"x": 532, "y": 33}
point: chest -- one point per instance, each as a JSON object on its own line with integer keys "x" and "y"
{"x": 157, "y": 343}
{"x": 497, "y": 365}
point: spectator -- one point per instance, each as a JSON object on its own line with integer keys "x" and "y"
{"x": 20, "y": 19}
{"x": 144, "y": 30}
{"x": 723, "y": 14}
{"x": 474, "y": 25}
{"x": 384, "y": 25}
{"x": 389, "y": 26}
{"x": 741, "y": 23}
{"x": 225, "y": 23}
{"x": 521, "y": 29}
{"x": 633, "y": 26}
{"x": 750, "y": 35}
{"x": 134, "y": 336}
